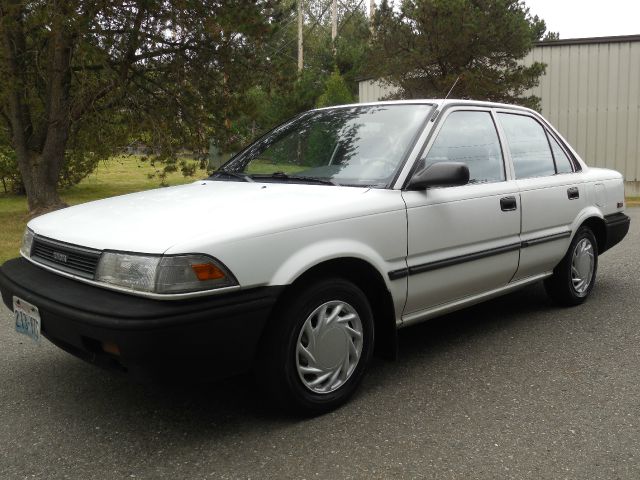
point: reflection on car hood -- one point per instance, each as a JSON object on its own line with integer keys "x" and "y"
{"x": 218, "y": 211}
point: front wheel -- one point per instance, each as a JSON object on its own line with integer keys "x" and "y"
{"x": 574, "y": 277}
{"x": 318, "y": 346}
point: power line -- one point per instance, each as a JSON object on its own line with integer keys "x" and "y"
{"x": 315, "y": 24}
{"x": 318, "y": 19}
{"x": 353, "y": 12}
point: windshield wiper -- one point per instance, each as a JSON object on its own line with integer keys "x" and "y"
{"x": 242, "y": 176}
{"x": 298, "y": 178}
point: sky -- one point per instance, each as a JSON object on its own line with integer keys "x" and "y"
{"x": 587, "y": 18}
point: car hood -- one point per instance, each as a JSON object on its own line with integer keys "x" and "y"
{"x": 218, "y": 211}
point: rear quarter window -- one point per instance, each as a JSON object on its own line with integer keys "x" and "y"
{"x": 563, "y": 164}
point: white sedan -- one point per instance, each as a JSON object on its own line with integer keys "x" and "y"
{"x": 308, "y": 249}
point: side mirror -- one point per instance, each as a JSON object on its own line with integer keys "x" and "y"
{"x": 442, "y": 174}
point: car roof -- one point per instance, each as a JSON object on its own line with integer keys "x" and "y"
{"x": 439, "y": 102}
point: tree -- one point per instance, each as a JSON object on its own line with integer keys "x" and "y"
{"x": 552, "y": 36}
{"x": 428, "y": 44}
{"x": 82, "y": 78}
{"x": 335, "y": 92}
{"x": 287, "y": 92}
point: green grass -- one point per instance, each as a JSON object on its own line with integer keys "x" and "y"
{"x": 117, "y": 176}
{"x": 267, "y": 167}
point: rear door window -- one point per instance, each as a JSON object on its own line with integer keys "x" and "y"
{"x": 529, "y": 146}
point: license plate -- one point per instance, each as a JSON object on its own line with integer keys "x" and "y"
{"x": 27, "y": 318}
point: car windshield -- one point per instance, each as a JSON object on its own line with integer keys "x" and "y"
{"x": 357, "y": 146}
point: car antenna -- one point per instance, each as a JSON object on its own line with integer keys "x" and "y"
{"x": 453, "y": 86}
{"x": 437, "y": 112}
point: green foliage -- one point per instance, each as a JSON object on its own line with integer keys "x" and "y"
{"x": 9, "y": 173}
{"x": 285, "y": 92}
{"x": 428, "y": 44}
{"x": 319, "y": 145}
{"x": 335, "y": 92}
{"x": 353, "y": 47}
{"x": 181, "y": 77}
{"x": 169, "y": 75}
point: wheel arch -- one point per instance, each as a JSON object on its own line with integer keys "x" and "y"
{"x": 597, "y": 226}
{"x": 593, "y": 218}
{"x": 370, "y": 281}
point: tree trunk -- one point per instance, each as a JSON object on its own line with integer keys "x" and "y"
{"x": 42, "y": 193}
{"x": 40, "y": 145}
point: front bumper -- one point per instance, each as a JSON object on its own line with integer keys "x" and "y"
{"x": 209, "y": 337}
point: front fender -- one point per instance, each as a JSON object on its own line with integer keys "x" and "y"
{"x": 312, "y": 255}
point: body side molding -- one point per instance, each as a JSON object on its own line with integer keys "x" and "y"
{"x": 448, "y": 262}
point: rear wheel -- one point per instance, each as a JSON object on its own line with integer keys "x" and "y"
{"x": 574, "y": 277}
{"x": 318, "y": 346}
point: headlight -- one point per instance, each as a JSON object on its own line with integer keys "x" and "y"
{"x": 137, "y": 272}
{"x": 27, "y": 243}
{"x": 170, "y": 274}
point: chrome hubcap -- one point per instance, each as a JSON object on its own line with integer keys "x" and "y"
{"x": 329, "y": 346}
{"x": 582, "y": 264}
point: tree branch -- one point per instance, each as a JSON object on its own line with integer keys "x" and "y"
{"x": 132, "y": 44}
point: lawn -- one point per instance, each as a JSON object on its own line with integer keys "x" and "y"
{"x": 117, "y": 176}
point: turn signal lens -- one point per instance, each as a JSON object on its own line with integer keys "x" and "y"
{"x": 111, "y": 348}
{"x": 207, "y": 271}
{"x": 192, "y": 273}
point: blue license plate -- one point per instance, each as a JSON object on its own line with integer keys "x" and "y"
{"x": 27, "y": 318}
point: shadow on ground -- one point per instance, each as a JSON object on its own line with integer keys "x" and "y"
{"x": 88, "y": 392}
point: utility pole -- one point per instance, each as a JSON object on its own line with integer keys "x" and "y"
{"x": 334, "y": 21}
{"x": 300, "y": 42}
{"x": 372, "y": 12}
{"x": 334, "y": 26}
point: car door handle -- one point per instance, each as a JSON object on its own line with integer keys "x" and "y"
{"x": 508, "y": 204}
{"x": 573, "y": 193}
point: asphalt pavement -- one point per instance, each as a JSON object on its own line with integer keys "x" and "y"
{"x": 513, "y": 388}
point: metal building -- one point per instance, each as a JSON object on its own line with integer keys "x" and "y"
{"x": 590, "y": 93}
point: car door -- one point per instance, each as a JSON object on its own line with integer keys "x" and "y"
{"x": 462, "y": 240}
{"x": 551, "y": 193}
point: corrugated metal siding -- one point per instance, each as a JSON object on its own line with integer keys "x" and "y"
{"x": 591, "y": 94}
{"x": 371, "y": 91}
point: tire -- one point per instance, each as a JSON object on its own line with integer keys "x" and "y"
{"x": 304, "y": 344}
{"x": 566, "y": 286}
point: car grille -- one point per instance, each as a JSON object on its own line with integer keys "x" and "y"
{"x": 68, "y": 258}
